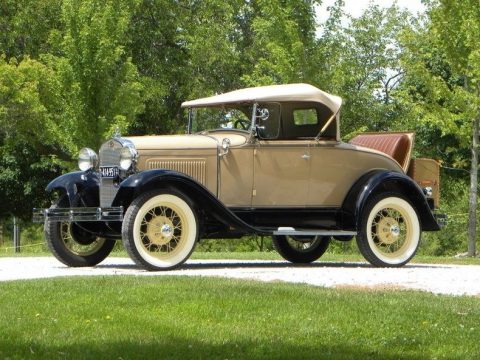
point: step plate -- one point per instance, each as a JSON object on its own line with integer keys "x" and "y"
{"x": 312, "y": 232}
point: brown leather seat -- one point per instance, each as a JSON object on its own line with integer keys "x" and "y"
{"x": 396, "y": 145}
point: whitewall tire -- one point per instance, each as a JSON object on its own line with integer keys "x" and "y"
{"x": 301, "y": 249}
{"x": 160, "y": 230}
{"x": 390, "y": 231}
{"x": 72, "y": 245}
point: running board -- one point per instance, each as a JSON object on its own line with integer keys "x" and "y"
{"x": 320, "y": 232}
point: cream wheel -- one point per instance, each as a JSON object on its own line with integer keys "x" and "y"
{"x": 390, "y": 231}
{"x": 160, "y": 230}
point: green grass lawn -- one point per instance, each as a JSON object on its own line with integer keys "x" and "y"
{"x": 209, "y": 318}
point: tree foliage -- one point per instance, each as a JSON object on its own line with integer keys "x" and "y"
{"x": 104, "y": 90}
{"x": 71, "y": 97}
{"x": 29, "y": 28}
{"x": 443, "y": 87}
{"x": 190, "y": 49}
{"x": 73, "y": 71}
{"x": 361, "y": 62}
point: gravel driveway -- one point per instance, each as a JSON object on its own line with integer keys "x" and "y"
{"x": 439, "y": 279}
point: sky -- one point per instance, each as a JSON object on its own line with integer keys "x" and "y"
{"x": 356, "y": 7}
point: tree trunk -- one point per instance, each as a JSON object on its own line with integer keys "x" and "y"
{"x": 1, "y": 231}
{"x": 472, "y": 202}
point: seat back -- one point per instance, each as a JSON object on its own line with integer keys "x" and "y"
{"x": 397, "y": 145}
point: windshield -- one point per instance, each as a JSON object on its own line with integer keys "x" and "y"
{"x": 221, "y": 118}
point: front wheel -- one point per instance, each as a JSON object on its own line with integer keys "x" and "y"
{"x": 301, "y": 249}
{"x": 389, "y": 232}
{"x": 74, "y": 246}
{"x": 160, "y": 230}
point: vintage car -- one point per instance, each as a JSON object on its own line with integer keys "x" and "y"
{"x": 266, "y": 161}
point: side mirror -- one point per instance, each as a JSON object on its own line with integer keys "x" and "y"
{"x": 262, "y": 114}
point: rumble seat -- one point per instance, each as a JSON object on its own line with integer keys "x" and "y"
{"x": 397, "y": 145}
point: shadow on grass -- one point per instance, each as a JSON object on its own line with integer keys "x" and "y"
{"x": 170, "y": 347}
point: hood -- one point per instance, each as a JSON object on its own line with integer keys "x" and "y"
{"x": 173, "y": 142}
{"x": 187, "y": 142}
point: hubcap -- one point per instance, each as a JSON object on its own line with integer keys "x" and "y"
{"x": 388, "y": 230}
{"x": 395, "y": 230}
{"x": 160, "y": 230}
{"x": 167, "y": 230}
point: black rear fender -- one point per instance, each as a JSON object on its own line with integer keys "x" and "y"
{"x": 382, "y": 181}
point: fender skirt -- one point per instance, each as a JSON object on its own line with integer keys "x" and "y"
{"x": 72, "y": 183}
{"x": 380, "y": 181}
{"x": 155, "y": 179}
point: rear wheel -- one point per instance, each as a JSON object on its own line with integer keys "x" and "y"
{"x": 301, "y": 249}
{"x": 390, "y": 231}
{"x": 74, "y": 246}
{"x": 160, "y": 230}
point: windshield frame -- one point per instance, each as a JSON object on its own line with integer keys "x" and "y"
{"x": 255, "y": 129}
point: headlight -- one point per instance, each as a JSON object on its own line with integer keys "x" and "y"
{"x": 128, "y": 155}
{"x": 87, "y": 159}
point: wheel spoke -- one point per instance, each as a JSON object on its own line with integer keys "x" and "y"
{"x": 388, "y": 231}
{"x": 76, "y": 247}
{"x": 152, "y": 233}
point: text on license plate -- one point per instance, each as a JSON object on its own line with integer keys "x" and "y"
{"x": 109, "y": 171}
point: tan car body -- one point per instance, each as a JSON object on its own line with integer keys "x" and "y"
{"x": 264, "y": 173}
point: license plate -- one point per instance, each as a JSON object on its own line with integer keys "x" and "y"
{"x": 109, "y": 171}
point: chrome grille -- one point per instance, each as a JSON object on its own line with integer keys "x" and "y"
{"x": 109, "y": 155}
{"x": 195, "y": 168}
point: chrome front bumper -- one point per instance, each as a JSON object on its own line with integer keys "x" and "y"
{"x": 78, "y": 214}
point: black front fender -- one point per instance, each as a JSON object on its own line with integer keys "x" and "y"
{"x": 72, "y": 183}
{"x": 382, "y": 181}
{"x": 158, "y": 179}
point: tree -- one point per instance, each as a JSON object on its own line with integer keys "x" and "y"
{"x": 361, "y": 63}
{"x": 190, "y": 49}
{"x": 64, "y": 100}
{"x": 458, "y": 27}
{"x": 443, "y": 60}
{"x": 24, "y": 173}
{"x": 283, "y": 42}
{"x": 29, "y": 28}
{"x": 183, "y": 50}
{"x": 101, "y": 84}
{"x": 29, "y": 101}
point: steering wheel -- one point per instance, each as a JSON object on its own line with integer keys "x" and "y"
{"x": 241, "y": 123}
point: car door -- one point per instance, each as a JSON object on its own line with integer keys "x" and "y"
{"x": 281, "y": 172}
{"x": 236, "y": 176}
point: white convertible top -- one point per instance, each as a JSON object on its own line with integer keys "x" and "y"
{"x": 272, "y": 93}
